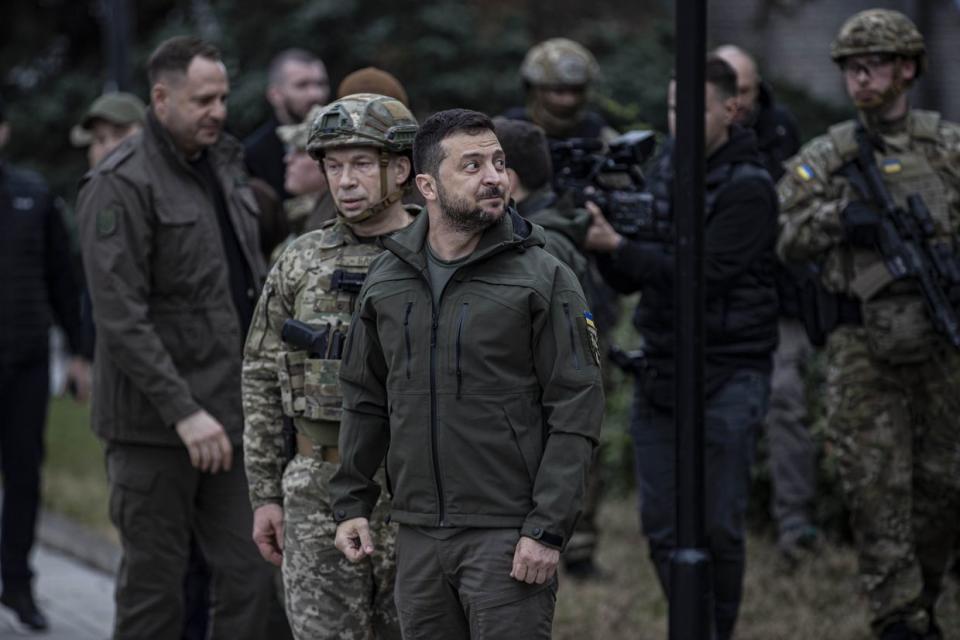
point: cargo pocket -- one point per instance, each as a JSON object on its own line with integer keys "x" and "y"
{"x": 321, "y": 389}
{"x": 899, "y": 329}
{"x": 290, "y": 371}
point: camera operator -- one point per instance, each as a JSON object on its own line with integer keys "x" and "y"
{"x": 741, "y": 333}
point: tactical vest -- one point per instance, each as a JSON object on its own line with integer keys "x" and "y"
{"x": 894, "y": 313}
{"x": 310, "y": 384}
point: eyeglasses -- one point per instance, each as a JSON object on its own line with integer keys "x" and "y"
{"x": 870, "y": 65}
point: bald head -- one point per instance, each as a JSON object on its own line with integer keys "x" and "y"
{"x": 748, "y": 80}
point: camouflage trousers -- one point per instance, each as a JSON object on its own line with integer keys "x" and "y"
{"x": 326, "y": 595}
{"x": 894, "y": 432}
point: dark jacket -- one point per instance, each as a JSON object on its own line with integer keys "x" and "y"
{"x": 778, "y": 137}
{"x": 741, "y": 300}
{"x": 592, "y": 125}
{"x": 565, "y": 230}
{"x": 778, "y": 140}
{"x": 263, "y": 154}
{"x": 488, "y": 407}
{"x": 168, "y": 334}
{"x": 38, "y": 286}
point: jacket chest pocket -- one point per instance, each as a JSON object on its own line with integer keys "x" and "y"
{"x": 488, "y": 342}
{"x": 181, "y": 246}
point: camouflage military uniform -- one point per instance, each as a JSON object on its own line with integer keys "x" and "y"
{"x": 892, "y": 382}
{"x": 326, "y": 596}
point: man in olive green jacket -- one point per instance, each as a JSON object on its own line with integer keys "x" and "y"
{"x": 473, "y": 357}
{"x": 169, "y": 236}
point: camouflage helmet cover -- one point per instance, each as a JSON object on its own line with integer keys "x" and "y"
{"x": 363, "y": 120}
{"x": 879, "y": 31}
{"x": 559, "y": 61}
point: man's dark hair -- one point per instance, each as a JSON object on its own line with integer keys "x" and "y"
{"x": 528, "y": 153}
{"x": 721, "y": 75}
{"x": 174, "y": 56}
{"x": 427, "y": 152}
{"x": 275, "y": 70}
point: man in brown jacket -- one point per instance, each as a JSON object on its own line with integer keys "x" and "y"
{"x": 169, "y": 237}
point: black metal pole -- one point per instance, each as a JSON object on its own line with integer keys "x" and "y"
{"x": 691, "y": 609}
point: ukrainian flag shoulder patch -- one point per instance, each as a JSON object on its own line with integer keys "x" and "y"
{"x": 805, "y": 172}
{"x": 891, "y": 165}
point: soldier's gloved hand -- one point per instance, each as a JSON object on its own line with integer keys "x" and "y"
{"x": 860, "y": 224}
{"x": 205, "y": 439}
{"x": 534, "y": 562}
{"x": 268, "y": 532}
{"x": 354, "y": 540}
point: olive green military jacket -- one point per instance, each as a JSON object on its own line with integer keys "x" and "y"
{"x": 168, "y": 336}
{"x": 487, "y": 407}
{"x": 280, "y": 379}
{"x": 565, "y": 229}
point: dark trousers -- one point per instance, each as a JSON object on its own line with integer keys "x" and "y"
{"x": 460, "y": 588}
{"x": 157, "y": 500}
{"x": 24, "y": 391}
{"x": 734, "y": 414}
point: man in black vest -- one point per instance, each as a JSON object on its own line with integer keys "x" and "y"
{"x": 740, "y": 329}
{"x": 38, "y": 288}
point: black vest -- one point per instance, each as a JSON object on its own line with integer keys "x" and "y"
{"x": 741, "y": 324}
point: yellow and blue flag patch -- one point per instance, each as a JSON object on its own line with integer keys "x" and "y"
{"x": 805, "y": 172}
{"x": 891, "y": 165}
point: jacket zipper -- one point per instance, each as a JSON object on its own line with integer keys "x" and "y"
{"x": 573, "y": 341}
{"x": 406, "y": 333}
{"x": 434, "y": 428}
{"x": 463, "y": 316}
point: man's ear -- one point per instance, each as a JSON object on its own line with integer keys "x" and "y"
{"x": 274, "y": 96}
{"x": 908, "y": 69}
{"x": 427, "y": 185}
{"x": 159, "y": 93}
{"x": 514, "y": 179}
{"x": 730, "y": 109}
{"x": 403, "y": 169}
{"x": 4, "y": 134}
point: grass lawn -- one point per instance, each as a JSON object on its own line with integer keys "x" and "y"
{"x": 818, "y": 600}
{"x": 74, "y": 475}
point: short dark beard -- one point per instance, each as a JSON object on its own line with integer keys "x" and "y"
{"x": 463, "y": 218}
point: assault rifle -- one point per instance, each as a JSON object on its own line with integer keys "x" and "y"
{"x": 611, "y": 178}
{"x": 903, "y": 241}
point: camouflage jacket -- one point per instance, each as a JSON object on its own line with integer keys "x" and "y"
{"x": 280, "y": 380}
{"x": 921, "y": 155}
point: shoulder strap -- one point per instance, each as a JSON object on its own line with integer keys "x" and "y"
{"x": 844, "y": 138}
{"x": 925, "y": 125}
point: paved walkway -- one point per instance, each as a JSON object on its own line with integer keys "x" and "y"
{"x": 77, "y": 600}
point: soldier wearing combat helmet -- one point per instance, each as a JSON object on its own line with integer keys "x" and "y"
{"x": 892, "y": 375}
{"x": 363, "y": 144}
{"x": 557, "y": 77}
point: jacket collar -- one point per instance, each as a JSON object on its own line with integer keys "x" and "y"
{"x": 222, "y": 152}
{"x": 510, "y": 232}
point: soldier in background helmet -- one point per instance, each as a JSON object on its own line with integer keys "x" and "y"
{"x": 557, "y": 77}
{"x": 892, "y": 379}
{"x": 363, "y": 143}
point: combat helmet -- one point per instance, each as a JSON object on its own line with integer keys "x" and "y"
{"x": 880, "y": 31}
{"x": 559, "y": 61}
{"x": 365, "y": 120}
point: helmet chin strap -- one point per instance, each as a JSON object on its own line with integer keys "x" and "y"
{"x": 384, "y": 203}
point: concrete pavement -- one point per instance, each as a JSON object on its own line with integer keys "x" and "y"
{"x": 77, "y": 600}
